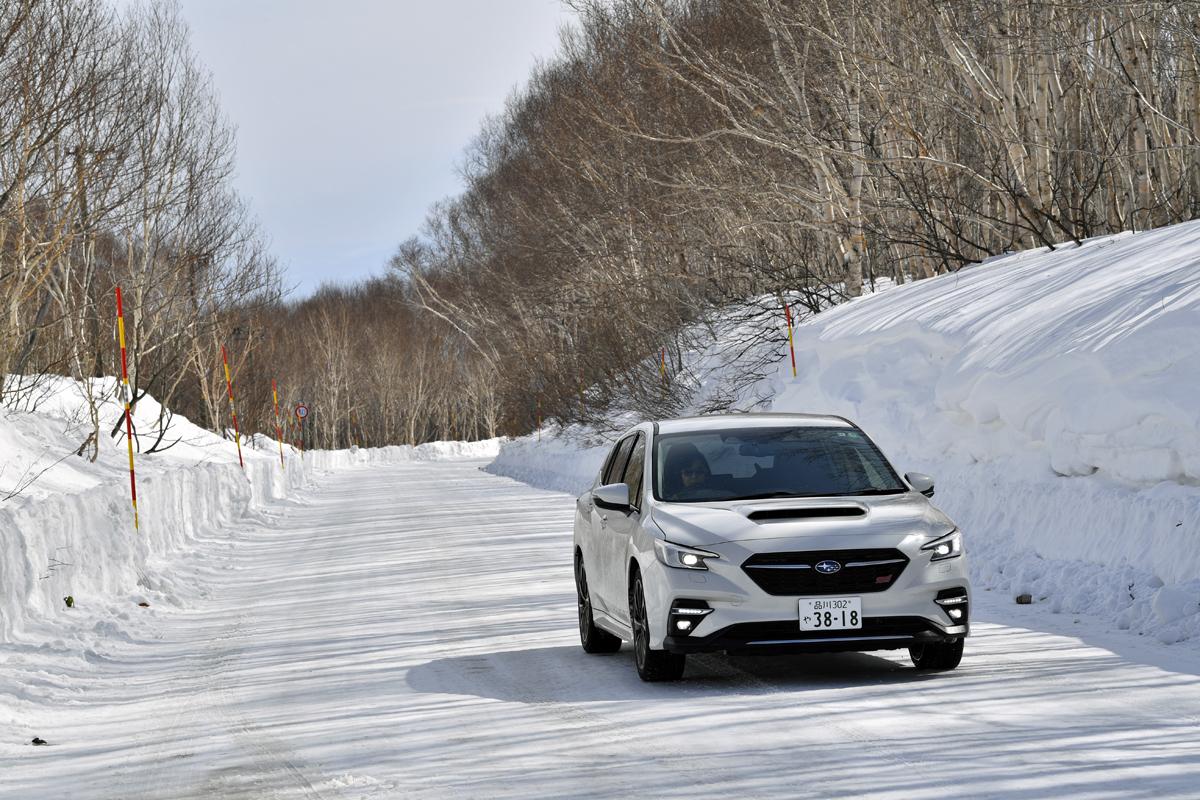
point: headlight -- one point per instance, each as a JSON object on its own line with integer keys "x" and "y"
{"x": 681, "y": 557}
{"x": 944, "y": 547}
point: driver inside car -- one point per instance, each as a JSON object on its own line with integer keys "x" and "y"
{"x": 688, "y": 472}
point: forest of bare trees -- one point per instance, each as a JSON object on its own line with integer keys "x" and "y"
{"x": 679, "y": 157}
{"x": 674, "y": 159}
{"x": 115, "y": 165}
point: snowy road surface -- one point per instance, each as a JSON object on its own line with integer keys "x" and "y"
{"x": 409, "y": 631}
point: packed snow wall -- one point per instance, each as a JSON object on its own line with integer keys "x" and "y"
{"x": 66, "y": 523}
{"x": 1053, "y": 394}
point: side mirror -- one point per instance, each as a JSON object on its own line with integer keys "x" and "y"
{"x": 614, "y": 496}
{"x": 920, "y": 483}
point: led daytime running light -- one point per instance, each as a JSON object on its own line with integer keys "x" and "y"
{"x": 945, "y": 547}
{"x": 679, "y": 557}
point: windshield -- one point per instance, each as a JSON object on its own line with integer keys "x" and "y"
{"x": 752, "y": 463}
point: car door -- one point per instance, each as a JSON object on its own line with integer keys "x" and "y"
{"x": 598, "y": 567}
{"x": 620, "y": 530}
{"x": 586, "y": 527}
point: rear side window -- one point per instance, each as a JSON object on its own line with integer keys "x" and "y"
{"x": 616, "y": 464}
{"x": 633, "y": 472}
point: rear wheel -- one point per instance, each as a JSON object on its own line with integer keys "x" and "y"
{"x": 592, "y": 638}
{"x": 940, "y": 656}
{"x": 652, "y": 665}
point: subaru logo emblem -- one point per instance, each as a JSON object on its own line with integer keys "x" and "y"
{"x": 828, "y": 567}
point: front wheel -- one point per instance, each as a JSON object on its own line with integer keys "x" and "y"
{"x": 652, "y": 665}
{"x": 592, "y": 638}
{"x": 941, "y": 656}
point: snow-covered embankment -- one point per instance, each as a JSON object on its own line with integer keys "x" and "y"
{"x": 66, "y": 523}
{"x": 1053, "y": 394}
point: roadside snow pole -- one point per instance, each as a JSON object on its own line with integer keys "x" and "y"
{"x": 127, "y": 393}
{"x": 302, "y": 416}
{"x": 237, "y": 434}
{"x": 662, "y": 366}
{"x": 278, "y": 430}
{"x": 296, "y": 438}
{"x": 787, "y": 313}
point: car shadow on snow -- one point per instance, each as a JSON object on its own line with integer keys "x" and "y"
{"x": 566, "y": 674}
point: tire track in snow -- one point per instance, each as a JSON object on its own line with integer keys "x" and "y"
{"x": 414, "y": 629}
{"x": 271, "y": 756}
{"x": 272, "y": 770}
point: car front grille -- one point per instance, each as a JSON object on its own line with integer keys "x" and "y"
{"x": 789, "y": 630}
{"x": 860, "y": 571}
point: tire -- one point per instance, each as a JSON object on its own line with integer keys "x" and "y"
{"x": 942, "y": 656}
{"x": 592, "y": 638}
{"x": 652, "y": 665}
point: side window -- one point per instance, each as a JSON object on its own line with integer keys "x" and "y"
{"x": 633, "y": 472}
{"x": 616, "y": 465}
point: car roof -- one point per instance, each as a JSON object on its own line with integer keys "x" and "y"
{"x": 719, "y": 422}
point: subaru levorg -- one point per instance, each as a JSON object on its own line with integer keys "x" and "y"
{"x": 764, "y": 533}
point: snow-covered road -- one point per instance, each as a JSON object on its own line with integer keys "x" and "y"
{"x": 409, "y": 631}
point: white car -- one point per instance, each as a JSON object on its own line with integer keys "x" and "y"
{"x": 764, "y": 533}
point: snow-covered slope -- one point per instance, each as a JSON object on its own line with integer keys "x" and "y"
{"x": 66, "y": 523}
{"x": 1053, "y": 394}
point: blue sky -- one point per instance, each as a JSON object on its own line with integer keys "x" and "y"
{"x": 353, "y": 116}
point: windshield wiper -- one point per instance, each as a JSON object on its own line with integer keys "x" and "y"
{"x": 768, "y": 495}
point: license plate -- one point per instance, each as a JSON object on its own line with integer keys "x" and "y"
{"x": 831, "y": 614}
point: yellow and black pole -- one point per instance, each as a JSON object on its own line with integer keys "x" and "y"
{"x": 127, "y": 394}
{"x": 278, "y": 430}
{"x": 787, "y": 313}
{"x": 237, "y": 434}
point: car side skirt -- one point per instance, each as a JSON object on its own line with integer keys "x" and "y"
{"x": 608, "y": 623}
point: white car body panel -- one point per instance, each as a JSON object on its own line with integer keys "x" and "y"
{"x": 610, "y": 546}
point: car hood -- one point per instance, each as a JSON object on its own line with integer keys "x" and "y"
{"x": 700, "y": 524}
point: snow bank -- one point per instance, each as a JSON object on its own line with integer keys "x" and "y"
{"x": 1052, "y": 394}
{"x": 564, "y": 462}
{"x": 396, "y": 454}
{"x": 66, "y": 523}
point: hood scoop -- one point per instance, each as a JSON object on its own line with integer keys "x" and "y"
{"x": 811, "y": 512}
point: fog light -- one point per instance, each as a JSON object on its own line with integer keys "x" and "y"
{"x": 955, "y": 603}
{"x": 686, "y": 615}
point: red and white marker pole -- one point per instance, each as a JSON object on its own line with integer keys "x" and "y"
{"x": 237, "y": 434}
{"x": 128, "y": 416}
{"x": 278, "y": 430}
{"x": 787, "y": 313}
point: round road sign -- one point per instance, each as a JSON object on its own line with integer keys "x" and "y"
{"x": 302, "y": 411}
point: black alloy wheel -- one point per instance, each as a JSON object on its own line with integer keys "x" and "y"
{"x": 593, "y": 639}
{"x": 652, "y": 665}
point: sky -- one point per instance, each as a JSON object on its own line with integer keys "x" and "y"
{"x": 353, "y": 116}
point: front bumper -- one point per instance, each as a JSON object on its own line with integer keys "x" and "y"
{"x": 785, "y": 636}
{"x": 745, "y": 618}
